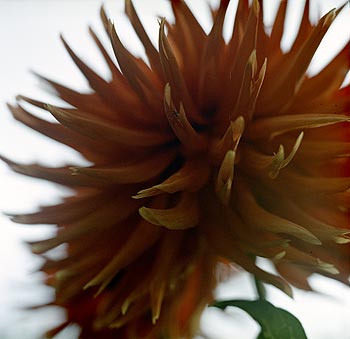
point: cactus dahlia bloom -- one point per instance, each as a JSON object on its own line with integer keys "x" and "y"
{"x": 212, "y": 151}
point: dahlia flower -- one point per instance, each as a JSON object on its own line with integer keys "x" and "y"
{"x": 211, "y": 151}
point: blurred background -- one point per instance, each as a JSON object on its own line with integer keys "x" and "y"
{"x": 29, "y": 40}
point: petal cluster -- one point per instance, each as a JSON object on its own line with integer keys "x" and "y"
{"x": 211, "y": 151}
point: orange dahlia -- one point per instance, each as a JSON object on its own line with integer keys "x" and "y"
{"x": 211, "y": 151}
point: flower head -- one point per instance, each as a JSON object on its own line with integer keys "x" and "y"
{"x": 212, "y": 151}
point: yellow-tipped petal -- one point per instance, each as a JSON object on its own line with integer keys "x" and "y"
{"x": 184, "y": 215}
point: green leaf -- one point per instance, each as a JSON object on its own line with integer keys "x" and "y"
{"x": 275, "y": 322}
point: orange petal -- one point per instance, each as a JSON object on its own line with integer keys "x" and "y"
{"x": 134, "y": 172}
{"x": 274, "y": 126}
{"x": 97, "y": 129}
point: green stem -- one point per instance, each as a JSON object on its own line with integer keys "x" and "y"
{"x": 260, "y": 288}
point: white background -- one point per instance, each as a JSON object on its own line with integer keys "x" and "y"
{"x": 29, "y": 40}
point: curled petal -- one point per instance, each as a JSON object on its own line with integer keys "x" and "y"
{"x": 175, "y": 78}
{"x": 184, "y": 215}
{"x": 255, "y": 162}
{"x": 192, "y": 176}
{"x": 229, "y": 141}
{"x": 250, "y": 87}
{"x": 225, "y": 177}
{"x": 277, "y": 163}
{"x": 180, "y": 124}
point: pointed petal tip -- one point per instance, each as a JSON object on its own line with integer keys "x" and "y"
{"x": 279, "y": 256}
{"x": 128, "y": 5}
{"x": 102, "y": 10}
{"x": 176, "y": 2}
{"x": 312, "y": 239}
{"x": 37, "y": 74}
{"x": 10, "y": 106}
{"x": 6, "y": 160}
{"x": 346, "y": 3}
{"x": 224, "y": 3}
{"x": 288, "y": 291}
{"x": 155, "y": 316}
{"x": 146, "y": 214}
{"x": 88, "y": 285}
{"x": 74, "y": 170}
{"x": 20, "y": 97}
{"x": 343, "y": 238}
{"x": 125, "y": 306}
{"x": 327, "y": 267}
{"x": 256, "y": 7}
{"x": 329, "y": 17}
{"x": 14, "y": 218}
{"x": 141, "y": 194}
